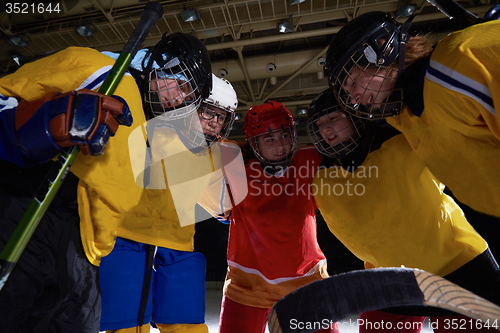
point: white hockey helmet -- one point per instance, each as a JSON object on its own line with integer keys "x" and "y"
{"x": 220, "y": 105}
{"x": 222, "y": 95}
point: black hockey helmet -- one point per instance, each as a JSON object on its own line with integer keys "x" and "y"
{"x": 343, "y": 131}
{"x": 179, "y": 56}
{"x": 371, "y": 40}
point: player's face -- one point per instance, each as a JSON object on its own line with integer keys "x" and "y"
{"x": 211, "y": 119}
{"x": 369, "y": 85}
{"x": 172, "y": 92}
{"x": 275, "y": 146}
{"x": 336, "y": 128}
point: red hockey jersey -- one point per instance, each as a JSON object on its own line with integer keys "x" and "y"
{"x": 272, "y": 239}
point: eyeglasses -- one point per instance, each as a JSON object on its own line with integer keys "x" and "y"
{"x": 208, "y": 114}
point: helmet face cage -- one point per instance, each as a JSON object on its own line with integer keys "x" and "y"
{"x": 367, "y": 91}
{"x": 367, "y": 46}
{"x": 171, "y": 90}
{"x": 217, "y": 111}
{"x": 275, "y": 143}
{"x": 212, "y": 114}
{"x": 224, "y": 116}
{"x": 176, "y": 73}
{"x": 343, "y": 132}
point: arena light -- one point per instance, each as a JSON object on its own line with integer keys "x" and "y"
{"x": 86, "y": 30}
{"x": 405, "y": 9}
{"x": 18, "y": 40}
{"x": 18, "y": 59}
{"x": 285, "y": 26}
{"x": 301, "y": 110}
{"x": 190, "y": 14}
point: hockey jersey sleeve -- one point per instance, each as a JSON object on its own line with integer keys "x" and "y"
{"x": 468, "y": 66}
{"x": 8, "y": 148}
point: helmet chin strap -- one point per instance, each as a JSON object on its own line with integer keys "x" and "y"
{"x": 402, "y": 44}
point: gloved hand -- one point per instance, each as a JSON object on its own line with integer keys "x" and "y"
{"x": 56, "y": 121}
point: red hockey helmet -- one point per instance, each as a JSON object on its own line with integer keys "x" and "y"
{"x": 271, "y": 134}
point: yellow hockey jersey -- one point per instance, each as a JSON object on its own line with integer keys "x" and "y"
{"x": 174, "y": 174}
{"x": 391, "y": 211}
{"x": 458, "y": 133}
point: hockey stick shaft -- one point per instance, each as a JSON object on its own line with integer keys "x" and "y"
{"x": 17, "y": 243}
{"x": 454, "y": 10}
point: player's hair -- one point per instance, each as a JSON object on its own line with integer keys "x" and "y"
{"x": 417, "y": 47}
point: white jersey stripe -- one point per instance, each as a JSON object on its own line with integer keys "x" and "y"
{"x": 455, "y": 76}
{"x": 95, "y": 80}
{"x": 278, "y": 280}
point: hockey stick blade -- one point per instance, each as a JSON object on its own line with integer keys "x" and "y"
{"x": 345, "y": 295}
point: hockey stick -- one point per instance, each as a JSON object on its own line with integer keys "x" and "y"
{"x": 45, "y": 194}
{"x": 348, "y": 294}
{"x": 454, "y": 10}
